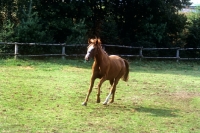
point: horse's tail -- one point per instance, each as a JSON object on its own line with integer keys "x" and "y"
{"x": 125, "y": 76}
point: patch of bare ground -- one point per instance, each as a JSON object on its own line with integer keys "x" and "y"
{"x": 179, "y": 95}
{"x": 26, "y": 67}
{"x": 182, "y": 98}
{"x": 185, "y": 95}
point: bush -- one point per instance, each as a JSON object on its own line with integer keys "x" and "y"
{"x": 6, "y": 35}
{"x": 193, "y": 38}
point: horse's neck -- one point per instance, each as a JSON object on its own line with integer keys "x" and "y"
{"x": 102, "y": 59}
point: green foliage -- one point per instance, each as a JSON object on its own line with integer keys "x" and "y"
{"x": 6, "y": 35}
{"x": 125, "y": 22}
{"x": 65, "y": 20}
{"x": 6, "y": 31}
{"x": 152, "y": 33}
{"x": 193, "y": 39}
{"x": 32, "y": 31}
{"x": 8, "y": 10}
{"x": 175, "y": 30}
{"x": 193, "y": 34}
{"x": 78, "y": 33}
{"x": 108, "y": 31}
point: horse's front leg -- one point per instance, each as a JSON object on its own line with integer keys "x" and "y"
{"x": 89, "y": 91}
{"x": 99, "y": 88}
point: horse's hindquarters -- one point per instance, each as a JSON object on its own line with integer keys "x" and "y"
{"x": 117, "y": 67}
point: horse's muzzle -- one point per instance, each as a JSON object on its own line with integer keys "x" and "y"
{"x": 87, "y": 57}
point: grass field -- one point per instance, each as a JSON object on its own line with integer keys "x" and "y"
{"x": 46, "y": 96}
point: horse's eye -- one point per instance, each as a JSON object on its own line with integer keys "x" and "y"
{"x": 90, "y": 49}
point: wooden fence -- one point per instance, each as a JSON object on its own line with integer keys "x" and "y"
{"x": 65, "y": 46}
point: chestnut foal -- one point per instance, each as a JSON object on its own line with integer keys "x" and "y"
{"x": 105, "y": 67}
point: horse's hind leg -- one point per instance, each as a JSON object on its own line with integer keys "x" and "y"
{"x": 112, "y": 92}
{"x": 111, "y": 82}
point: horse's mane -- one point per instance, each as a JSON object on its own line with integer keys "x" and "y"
{"x": 104, "y": 51}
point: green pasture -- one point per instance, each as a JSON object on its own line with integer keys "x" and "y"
{"x": 45, "y": 96}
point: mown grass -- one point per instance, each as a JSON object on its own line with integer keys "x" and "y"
{"x": 46, "y": 96}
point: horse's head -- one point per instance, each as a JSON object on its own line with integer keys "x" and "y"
{"x": 92, "y": 48}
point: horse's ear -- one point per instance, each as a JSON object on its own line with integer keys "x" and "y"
{"x": 94, "y": 41}
{"x": 99, "y": 41}
{"x": 91, "y": 41}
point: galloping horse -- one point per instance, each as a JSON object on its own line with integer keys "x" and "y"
{"x": 105, "y": 67}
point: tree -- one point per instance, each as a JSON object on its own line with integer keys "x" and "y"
{"x": 193, "y": 38}
{"x": 148, "y": 23}
{"x": 108, "y": 31}
{"x": 6, "y": 31}
{"x": 193, "y": 34}
{"x": 6, "y": 35}
{"x": 62, "y": 17}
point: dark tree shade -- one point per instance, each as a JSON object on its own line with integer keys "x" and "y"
{"x": 148, "y": 23}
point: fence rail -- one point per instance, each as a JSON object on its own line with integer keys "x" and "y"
{"x": 64, "y": 45}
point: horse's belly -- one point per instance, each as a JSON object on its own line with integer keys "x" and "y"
{"x": 117, "y": 67}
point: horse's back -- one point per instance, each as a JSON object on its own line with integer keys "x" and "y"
{"x": 116, "y": 59}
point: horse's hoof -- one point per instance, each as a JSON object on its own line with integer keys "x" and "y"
{"x": 110, "y": 101}
{"x": 84, "y": 104}
{"x": 98, "y": 100}
{"x": 104, "y": 103}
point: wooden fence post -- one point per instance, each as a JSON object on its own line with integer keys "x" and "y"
{"x": 16, "y": 50}
{"x": 177, "y": 55}
{"x": 63, "y": 51}
{"x": 141, "y": 56}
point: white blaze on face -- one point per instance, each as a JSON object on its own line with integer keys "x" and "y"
{"x": 91, "y": 47}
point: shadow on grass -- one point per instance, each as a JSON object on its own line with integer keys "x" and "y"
{"x": 158, "y": 112}
{"x": 149, "y": 111}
